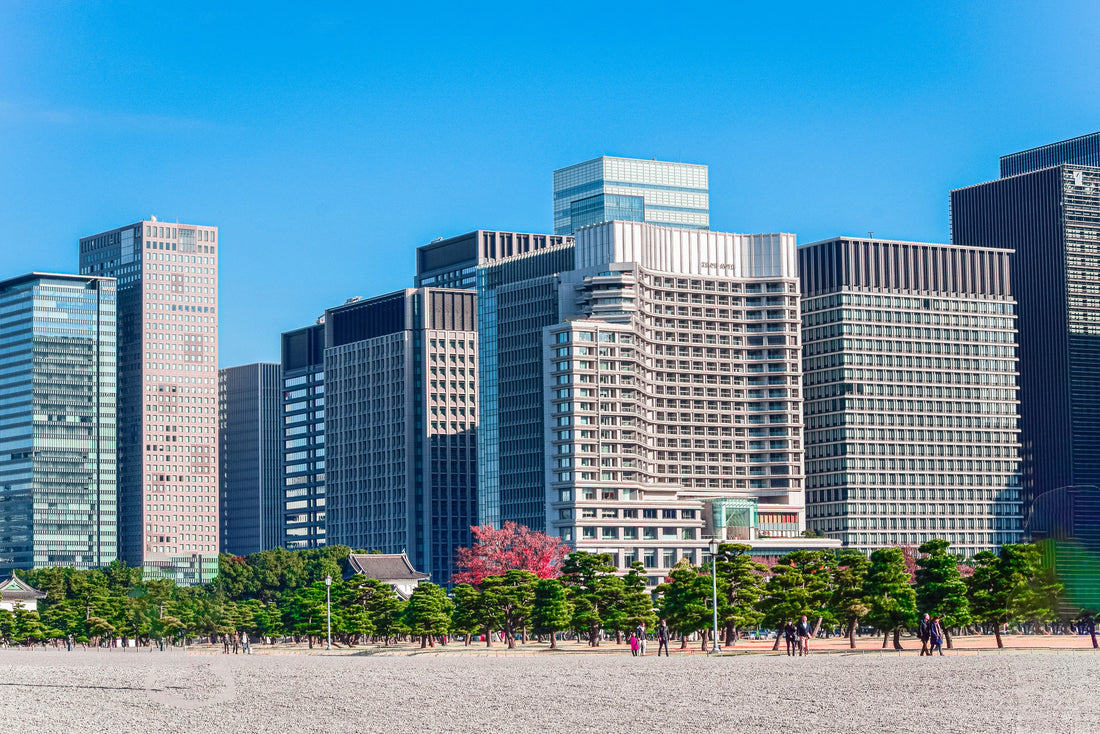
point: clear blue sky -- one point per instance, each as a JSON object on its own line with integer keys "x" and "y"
{"x": 327, "y": 144}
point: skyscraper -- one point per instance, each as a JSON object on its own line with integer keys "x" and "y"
{"x": 1080, "y": 151}
{"x": 400, "y": 375}
{"x": 516, "y": 298}
{"x": 303, "y": 368}
{"x": 633, "y": 190}
{"x": 1046, "y": 219}
{"x": 672, "y": 393}
{"x": 909, "y": 365}
{"x": 452, "y": 262}
{"x": 167, "y": 276}
{"x": 250, "y": 455}
{"x": 57, "y": 422}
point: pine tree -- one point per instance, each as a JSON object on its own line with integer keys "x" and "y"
{"x": 1003, "y": 587}
{"x": 466, "y": 617}
{"x": 685, "y": 601}
{"x": 428, "y": 613}
{"x": 585, "y": 574}
{"x": 511, "y": 597}
{"x": 847, "y": 603}
{"x": 891, "y": 600}
{"x": 940, "y": 587}
{"x": 740, "y": 588}
{"x": 552, "y": 610}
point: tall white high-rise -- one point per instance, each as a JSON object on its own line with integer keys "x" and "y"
{"x": 672, "y": 389}
{"x": 167, "y": 276}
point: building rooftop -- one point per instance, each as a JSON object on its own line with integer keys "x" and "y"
{"x": 14, "y": 588}
{"x": 384, "y": 566}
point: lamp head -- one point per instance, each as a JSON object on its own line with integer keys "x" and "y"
{"x": 328, "y": 581}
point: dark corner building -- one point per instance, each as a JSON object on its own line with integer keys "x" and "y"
{"x": 452, "y": 262}
{"x": 250, "y": 431}
{"x": 400, "y": 425}
{"x": 515, "y": 277}
{"x": 1046, "y": 210}
{"x": 303, "y": 427}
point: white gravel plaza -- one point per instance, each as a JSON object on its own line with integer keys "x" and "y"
{"x": 142, "y": 691}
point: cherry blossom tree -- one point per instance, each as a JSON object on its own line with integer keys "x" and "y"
{"x": 511, "y": 547}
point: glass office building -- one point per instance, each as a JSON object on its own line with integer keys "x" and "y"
{"x": 57, "y": 422}
{"x": 605, "y": 189}
{"x": 303, "y": 368}
{"x": 1047, "y": 220}
{"x": 516, "y": 297}
{"x": 250, "y": 436}
{"x": 452, "y": 262}
{"x": 1081, "y": 151}
{"x": 401, "y": 425}
{"x": 909, "y": 361}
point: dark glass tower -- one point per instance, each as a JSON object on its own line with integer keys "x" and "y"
{"x": 1048, "y": 218}
{"x": 250, "y": 434}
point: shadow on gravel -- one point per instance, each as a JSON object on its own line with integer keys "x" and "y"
{"x": 98, "y": 688}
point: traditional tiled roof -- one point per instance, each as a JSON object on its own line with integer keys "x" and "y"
{"x": 16, "y": 589}
{"x": 385, "y": 567}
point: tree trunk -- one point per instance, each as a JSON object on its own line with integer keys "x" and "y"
{"x": 488, "y": 638}
{"x": 778, "y": 637}
{"x": 553, "y": 640}
{"x": 817, "y": 626}
{"x": 947, "y": 638}
{"x": 731, "y": 631}
{"x": 997, "y": 634}
{"x": 423, "y": 641}
{"x": 704, "y": 636}
{"x": 511, "y": 639}
{"x": 618, "y": 637}
{"x": 885, "y": 640}
{"x": 897, "y": 639}
{"x": 852, "y": 634}
{"x": 468, "y": 636}
{"x": 683, "y": 641}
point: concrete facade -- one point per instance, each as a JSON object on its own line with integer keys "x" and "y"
{"x": 910, "y": 370}
{"x": 167, "y": 276}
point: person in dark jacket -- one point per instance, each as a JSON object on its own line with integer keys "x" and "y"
{"x": 662, "y": 638}
{"x": 790, "y": 634}
{"x": 935, "y": 635}
{"x": 924, "y": 632}
{"x": 804, "y": 632}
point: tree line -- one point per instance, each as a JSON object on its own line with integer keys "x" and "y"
{"x": 280, "y": 593}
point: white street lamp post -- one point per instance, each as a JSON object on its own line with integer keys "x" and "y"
{"x": 328, "y": 608}
{"x": 714, "y": 589}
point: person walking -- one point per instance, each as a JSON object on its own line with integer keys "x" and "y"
{"x": 924, "y": 632}
{"x": 935, "y": 634}
{"x": 69, "y": 642}
{"x": 803, "y": 636}
{"x": 634, "y": 644}
{"x": 641, "y": 639}
{"x": 790, "y": 634}
{"x": 662, "y": 638}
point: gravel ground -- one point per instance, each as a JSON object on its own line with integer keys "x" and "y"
{"x": 87, "y": 691}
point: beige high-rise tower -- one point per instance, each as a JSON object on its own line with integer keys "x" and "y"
{"x": 167, "y": 276}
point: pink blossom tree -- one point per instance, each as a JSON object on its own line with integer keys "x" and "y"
{"x": 497, "y": 551}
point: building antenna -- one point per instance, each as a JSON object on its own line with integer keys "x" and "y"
{"x": 870, "y": 235}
